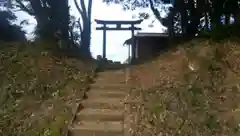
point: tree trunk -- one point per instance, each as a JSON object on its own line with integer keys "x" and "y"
{"x": 43, "y": 24}
{"x": 181, "y": 5}
{"x": 194, "y": 18}
{"x": 86, "y": 32}
{"x": 85, "y": 42}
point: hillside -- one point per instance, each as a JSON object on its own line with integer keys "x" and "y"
{"x": 38, "y": 90}
{"x": 190, "y": 90}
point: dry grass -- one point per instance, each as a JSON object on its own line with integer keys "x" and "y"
{"x": 192, "y": 91}
{"x": 38, "y": 90}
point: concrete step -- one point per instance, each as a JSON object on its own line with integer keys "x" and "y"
{"x": 93, "y": 128}
{"x": 115, "y": 66}
{"x": 112, "y": 72}
{"x": 111, "y": 76}
{"x": 112, "y": 80}
{"x": 109, "y": 80}
{"x": 106, "y": 93}
{"x": 103, "y": 103}
{"x": 89, "y": 114}
{"x": 109, "y": 86}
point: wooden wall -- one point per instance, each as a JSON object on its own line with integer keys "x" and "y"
{"x": 149, "y": 47}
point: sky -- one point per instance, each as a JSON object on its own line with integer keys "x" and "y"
{"x": 115, "y": 39}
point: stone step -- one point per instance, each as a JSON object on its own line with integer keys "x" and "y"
{"x": 112, "y": 72}
{"x": 111, "y": 75}
{"x": 93, "y": 128}
{"x": 109, "y": 86}
{"x": 89, "y": 114}
{"x": 106, "y": 93}
{"x": 120, "y": 80}
{"x": 109, "y": 80}
{"x": 103, "y": 103}
{"x": 115, "y": 66}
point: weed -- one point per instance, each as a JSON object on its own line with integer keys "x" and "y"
{"x": 38, "y": 89}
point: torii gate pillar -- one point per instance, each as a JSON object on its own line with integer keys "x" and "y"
{"x": 118, "y": 27}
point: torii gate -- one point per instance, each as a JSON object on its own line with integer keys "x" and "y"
{"x": 118, "y": 27}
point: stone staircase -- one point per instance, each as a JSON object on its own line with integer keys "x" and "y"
{"x": 102, "y": 112}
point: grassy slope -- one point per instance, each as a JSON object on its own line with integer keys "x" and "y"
{"x": 181, "y": 102}
{"x": 38, "y": 90}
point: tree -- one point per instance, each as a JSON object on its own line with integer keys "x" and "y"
{"x": 9, "y": 31}
{"x": 48, "y": 16}
{"x": 85, "y": 25}
{"x": 154, "y": 5}
{"x": 188, "y": 17}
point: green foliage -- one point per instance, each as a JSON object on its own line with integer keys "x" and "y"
{"x": 9, "y": 31}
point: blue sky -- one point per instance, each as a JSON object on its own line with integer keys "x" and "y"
{"x": 115, "y": 39}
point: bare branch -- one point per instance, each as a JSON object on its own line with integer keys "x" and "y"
{"x": 24, "y": 8}
{"x": 89, "y": 9}
{"x": 77, "y": 6}
{"x": 155, "y": 11}
{"x": 84, "y": 10}
{"x": 79, "y": 23}
{"x": 79, "y": 9}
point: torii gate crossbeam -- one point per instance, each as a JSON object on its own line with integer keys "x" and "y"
{"x": 118, "y": 27}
